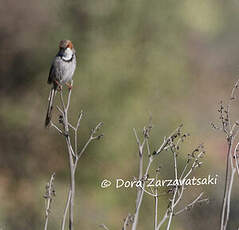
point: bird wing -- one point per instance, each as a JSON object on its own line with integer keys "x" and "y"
{"x": 51, "y": 75}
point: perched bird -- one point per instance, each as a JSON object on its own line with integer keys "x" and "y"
{"x": 61, "y": 72}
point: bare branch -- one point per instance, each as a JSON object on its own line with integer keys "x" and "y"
{"x": 170, "y": 138}
{"x": 175, "y": 189}
{"x": 58, "y": 129}
{"x": 191, "y": 205}
{"x": 60, "y": 110}
{"x": 165, "y": 217}
{"x": 231, "y": 130}
{"x": 92, "y": 137}
{"x": 66, "y": 210}
{"x": 156, "y": 200}
{"x": 50, "y": 193}
{"x": 69, "y": 97}
{"x": 104, "y": 226}
{"x": 232, "y": 98}
{"x": 127, "y": 221}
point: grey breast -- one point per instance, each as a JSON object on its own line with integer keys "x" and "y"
{"x": 64, "y": 70}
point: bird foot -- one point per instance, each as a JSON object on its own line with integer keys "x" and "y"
{"x": 69, "y": 86}
{"x": 59, "y": 86}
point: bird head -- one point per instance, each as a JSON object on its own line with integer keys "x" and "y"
{"x": 66, "y": 50}
{"x": 64, "y": 44}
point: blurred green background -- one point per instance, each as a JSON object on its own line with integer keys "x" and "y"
{"x": 172, "y": 60}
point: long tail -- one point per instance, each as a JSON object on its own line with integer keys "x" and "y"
{"x": 50, "y": 107}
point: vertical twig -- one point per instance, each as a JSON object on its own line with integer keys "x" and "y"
{"x": 236, "y": 156}
{"x": 175, "y": 189}
{"x": 126, "y": 222}
{"x": 156, "y": 198}
{"x": 140, "y": 192}
{"x": 70, "y": 154}
{"x": 50, "y": 192}
{"x": 231, "y": 161}
{"x": 66, "y": 209}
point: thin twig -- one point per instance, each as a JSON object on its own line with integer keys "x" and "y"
{"x": 134, "y": 225}
{"x": 156, "y": 200}
{"x": 126, "y": 222}
{"x": 65, "y": 211}
{"x": 190, "y": 205}
{"x": 71, "y": 154}
{"x": 76, "y": 131}
{"x": 165, "y": 217}
{"x": 231, "y": 133}
{"x": 104, "y": 226}
{"x": 50, "y": 193}
{"x": 58, "y": 129}
{"x": 175, "y": 189}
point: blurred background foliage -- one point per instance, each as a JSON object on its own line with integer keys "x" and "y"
{"x": 172, "y": 60}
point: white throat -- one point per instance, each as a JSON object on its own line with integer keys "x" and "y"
{"x": 67, "y": 54}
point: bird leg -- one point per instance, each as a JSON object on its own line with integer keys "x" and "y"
{"x": 69, "y": 86}
{"x": 59, "y": 88}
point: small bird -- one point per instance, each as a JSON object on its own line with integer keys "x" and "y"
{"x": 61, "y": 72}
